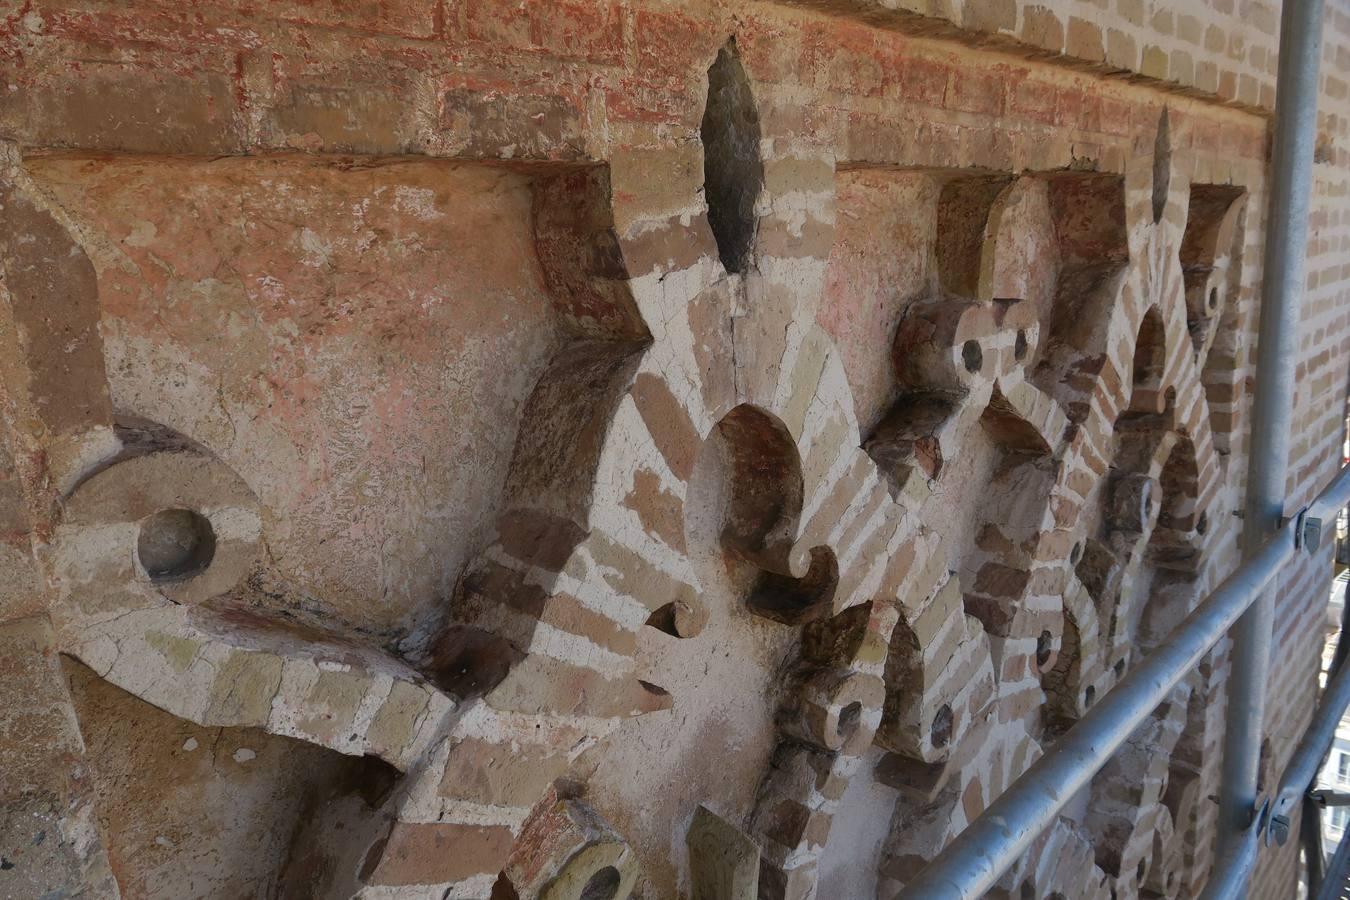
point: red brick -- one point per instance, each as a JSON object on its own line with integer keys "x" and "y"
{"x": 437, "y": 852}
{"x": 572, "y": 30}
{"x": 500, "y": 23}
{"x": 1035, "y": 100}
{"x": 925, "y": 81}
{"x": 663, "y": 41}
{"x": 977, "y": 90}
{"x": 1115, "y": 116}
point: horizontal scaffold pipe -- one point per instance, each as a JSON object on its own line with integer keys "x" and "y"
{"x": 1314, "y": 746}
{"x": 973, "y": 862}
{"x": 1316, "y": 742}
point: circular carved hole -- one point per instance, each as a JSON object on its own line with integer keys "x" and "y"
{"x": 1169, "y": 399}
{"x": 1213, "y": 299}
{"x": 604, "y": 885}
{"x": 1202, "y": 523}
{"x": 1020, "y": 346}
{"x": 972, "y": 356}
{"x": 1076, "y": 553}
{"x": 942, "y": 726}
{"x": 849, "y": 717}
{"x": 1120, "y": 668}
{"x": 175, "y": 544}
{"x": 1045, "y": 645}
{"x": 1089, "y": 695}
{"x": 1141, "y": 871}
{"x": 1026, "y": 891}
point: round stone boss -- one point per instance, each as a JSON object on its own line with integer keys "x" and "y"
{"x": 180, "y": 523}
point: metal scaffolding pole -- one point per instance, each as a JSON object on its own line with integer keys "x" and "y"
{"x": 990, "y": 845}
{"x": 1283, "y": 281}
{"x": 970, "y": 865}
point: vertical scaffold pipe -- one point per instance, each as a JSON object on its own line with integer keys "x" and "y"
{"x": 1283, "y": 281}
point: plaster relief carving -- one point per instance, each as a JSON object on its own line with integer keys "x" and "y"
{"x": 696, "y": 439}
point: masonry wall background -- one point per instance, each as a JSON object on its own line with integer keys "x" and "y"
{"x": 784, "y": 520}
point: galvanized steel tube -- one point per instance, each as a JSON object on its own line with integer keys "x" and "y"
{"x": 1312, "y": 750}
{"x": 1334, "y": 498}
{"x": 1301, "y": 772}
{"x": 1286, "y": 233}
{"x": 1228, "y": 881}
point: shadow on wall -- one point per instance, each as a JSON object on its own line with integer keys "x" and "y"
{"x": 185, "y": 810}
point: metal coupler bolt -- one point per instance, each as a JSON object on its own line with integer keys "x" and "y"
{"x": 1279, "y": 829}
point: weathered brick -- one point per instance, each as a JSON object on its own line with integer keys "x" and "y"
{"x": 1084, "y": 40}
